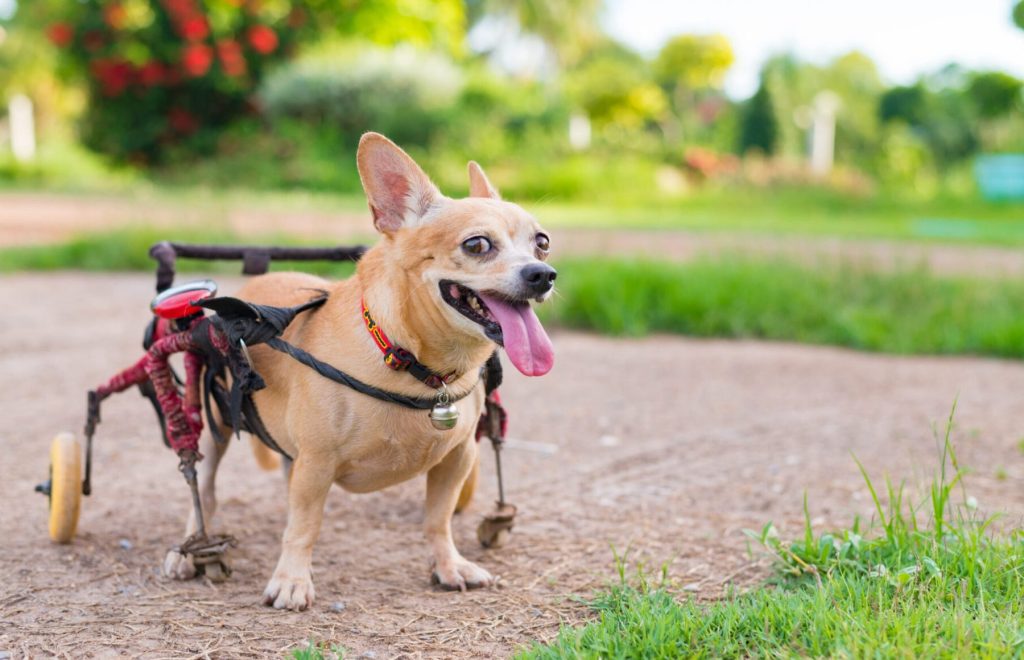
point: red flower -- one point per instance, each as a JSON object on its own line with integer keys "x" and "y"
{"x": 152, "y": 73}
{"x": 61, "y": 34}
{"x": 194, "y": 28}
{"x": 196, "y": 59}
{"x": 262, "y": 39}
{"x": 114, "y": 75}
{"x": 231, "y": 58}
{"x": 182, "y": 121}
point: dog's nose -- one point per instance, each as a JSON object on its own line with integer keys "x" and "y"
{"x": 539, "y": 278}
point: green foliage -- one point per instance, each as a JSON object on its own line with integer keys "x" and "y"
{"x": 905, "y": 587}
{"x": 994, "y": 93}
{"x": 907, "y": 104}
{"x": 901, "y": 312}
{"x": 425, "y": 24}
{"x": 759, "y": 126}
{"x": 403, "y": 93}
{"x": 694, "y": 61}
{"x": 1018, "y": 14}
{"x": 613, "y": 86}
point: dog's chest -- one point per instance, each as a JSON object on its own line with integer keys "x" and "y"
{"x": 399, "y": 447}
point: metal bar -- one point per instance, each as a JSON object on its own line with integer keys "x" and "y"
{"x": 256, "y": 258}
{"x": 501, "y": 480}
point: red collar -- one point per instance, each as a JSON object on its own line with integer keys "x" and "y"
{"x": 400, "y": 359}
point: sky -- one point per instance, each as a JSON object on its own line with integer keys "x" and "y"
{"x": 904, "y": 37}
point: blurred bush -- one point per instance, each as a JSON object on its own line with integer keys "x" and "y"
{"x": 161, "y": 72}
{"x": 403, "y": 92}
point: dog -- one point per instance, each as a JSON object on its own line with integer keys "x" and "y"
{"x": 449, "y": 280}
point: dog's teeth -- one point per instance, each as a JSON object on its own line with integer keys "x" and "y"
{"x": 474, "y": 302}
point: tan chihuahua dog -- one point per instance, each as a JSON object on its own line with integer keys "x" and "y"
{"x": 448, "y": 280}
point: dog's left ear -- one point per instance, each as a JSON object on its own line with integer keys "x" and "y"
{"x": 479, "y": 186}
{"x": 398, "y": 191}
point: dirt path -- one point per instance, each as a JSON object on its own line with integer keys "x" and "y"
{"x": 38, "y": 218}
{"x": 668, "y": 447}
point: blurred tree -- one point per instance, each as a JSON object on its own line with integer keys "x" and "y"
{"x": 759, "y": 127}
{"x": 1018, "y": 14}
{"x": 694, "y": 61}
{"x": 942, "y": 118}
{"x": 906, "y": 104}
{"x": 568, "y": 27}
{"x": 612, "y": 84}
{"x": 688, "y": 67}
{"x": 994, "y": 93}
{"x": 428, "y": 24}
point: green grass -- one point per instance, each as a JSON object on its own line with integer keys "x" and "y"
{"x": 128, "y": 250}
{"x": 910, "y": 311}
{"x": 804, "y": 212}
{"x": 926, "y": 579}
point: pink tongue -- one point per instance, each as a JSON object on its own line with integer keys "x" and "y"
{"x": 526, "y": 343}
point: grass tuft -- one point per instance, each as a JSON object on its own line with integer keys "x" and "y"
{"x": 923, "y": 580}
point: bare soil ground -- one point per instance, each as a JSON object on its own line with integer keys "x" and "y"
{"x": 667, "y": 447}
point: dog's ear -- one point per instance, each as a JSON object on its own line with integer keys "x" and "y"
{"x": 398, "y": 191}
{"x": 479, "y": 186}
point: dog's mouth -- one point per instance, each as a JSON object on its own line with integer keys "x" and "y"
{"x": 468, "y": 302}
{"x": 509, "y": 323}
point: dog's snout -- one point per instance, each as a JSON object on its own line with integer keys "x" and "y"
{"x": 539, "y": 277}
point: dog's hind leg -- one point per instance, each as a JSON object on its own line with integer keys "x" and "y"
{"x": 444, "y": 482}
{"x": 177, "y": 565}
{"x": 291, "y": 586}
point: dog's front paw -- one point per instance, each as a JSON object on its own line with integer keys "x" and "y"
{"x": 178, "y": 566}
{"x": 289, "y": 593}
{"x": 460, "y": 575}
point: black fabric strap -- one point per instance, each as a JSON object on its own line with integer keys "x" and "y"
{"x": 332, "y": 373}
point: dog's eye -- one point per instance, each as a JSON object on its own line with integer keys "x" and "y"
{"x": 477, "y": 245}
{"x": 543, "y": 242}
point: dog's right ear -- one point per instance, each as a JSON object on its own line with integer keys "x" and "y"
{"x": 398, "y": 191}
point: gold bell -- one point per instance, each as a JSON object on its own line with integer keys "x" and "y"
{"x": 444, "y": 415}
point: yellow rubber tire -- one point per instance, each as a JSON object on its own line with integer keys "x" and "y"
{"x": 65, "y": 487}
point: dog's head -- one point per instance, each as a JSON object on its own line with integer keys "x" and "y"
{"x": 477, "y": 263}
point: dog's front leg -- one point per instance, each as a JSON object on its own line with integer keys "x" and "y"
{"x": 444, "y": 482}
{"x": 291, "y": 586}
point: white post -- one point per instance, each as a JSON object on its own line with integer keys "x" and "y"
{"x": 23, "y": 128}
{"x": 579, "y": 131}
{"x": 823, "y": 132}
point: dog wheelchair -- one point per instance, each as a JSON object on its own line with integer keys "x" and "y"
{"x": 214, "y": 346}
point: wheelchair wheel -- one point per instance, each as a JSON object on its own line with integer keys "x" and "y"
{"x": 65, "y": 487}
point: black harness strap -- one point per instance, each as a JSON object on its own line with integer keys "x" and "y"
{"x": 332, "y": 373}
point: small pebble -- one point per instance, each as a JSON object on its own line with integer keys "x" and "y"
{"x": 125, "y": 544}
{"x": 368, "y": 654}
{"x": 693, "y": 586}
{"x": 337, "y": 607}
